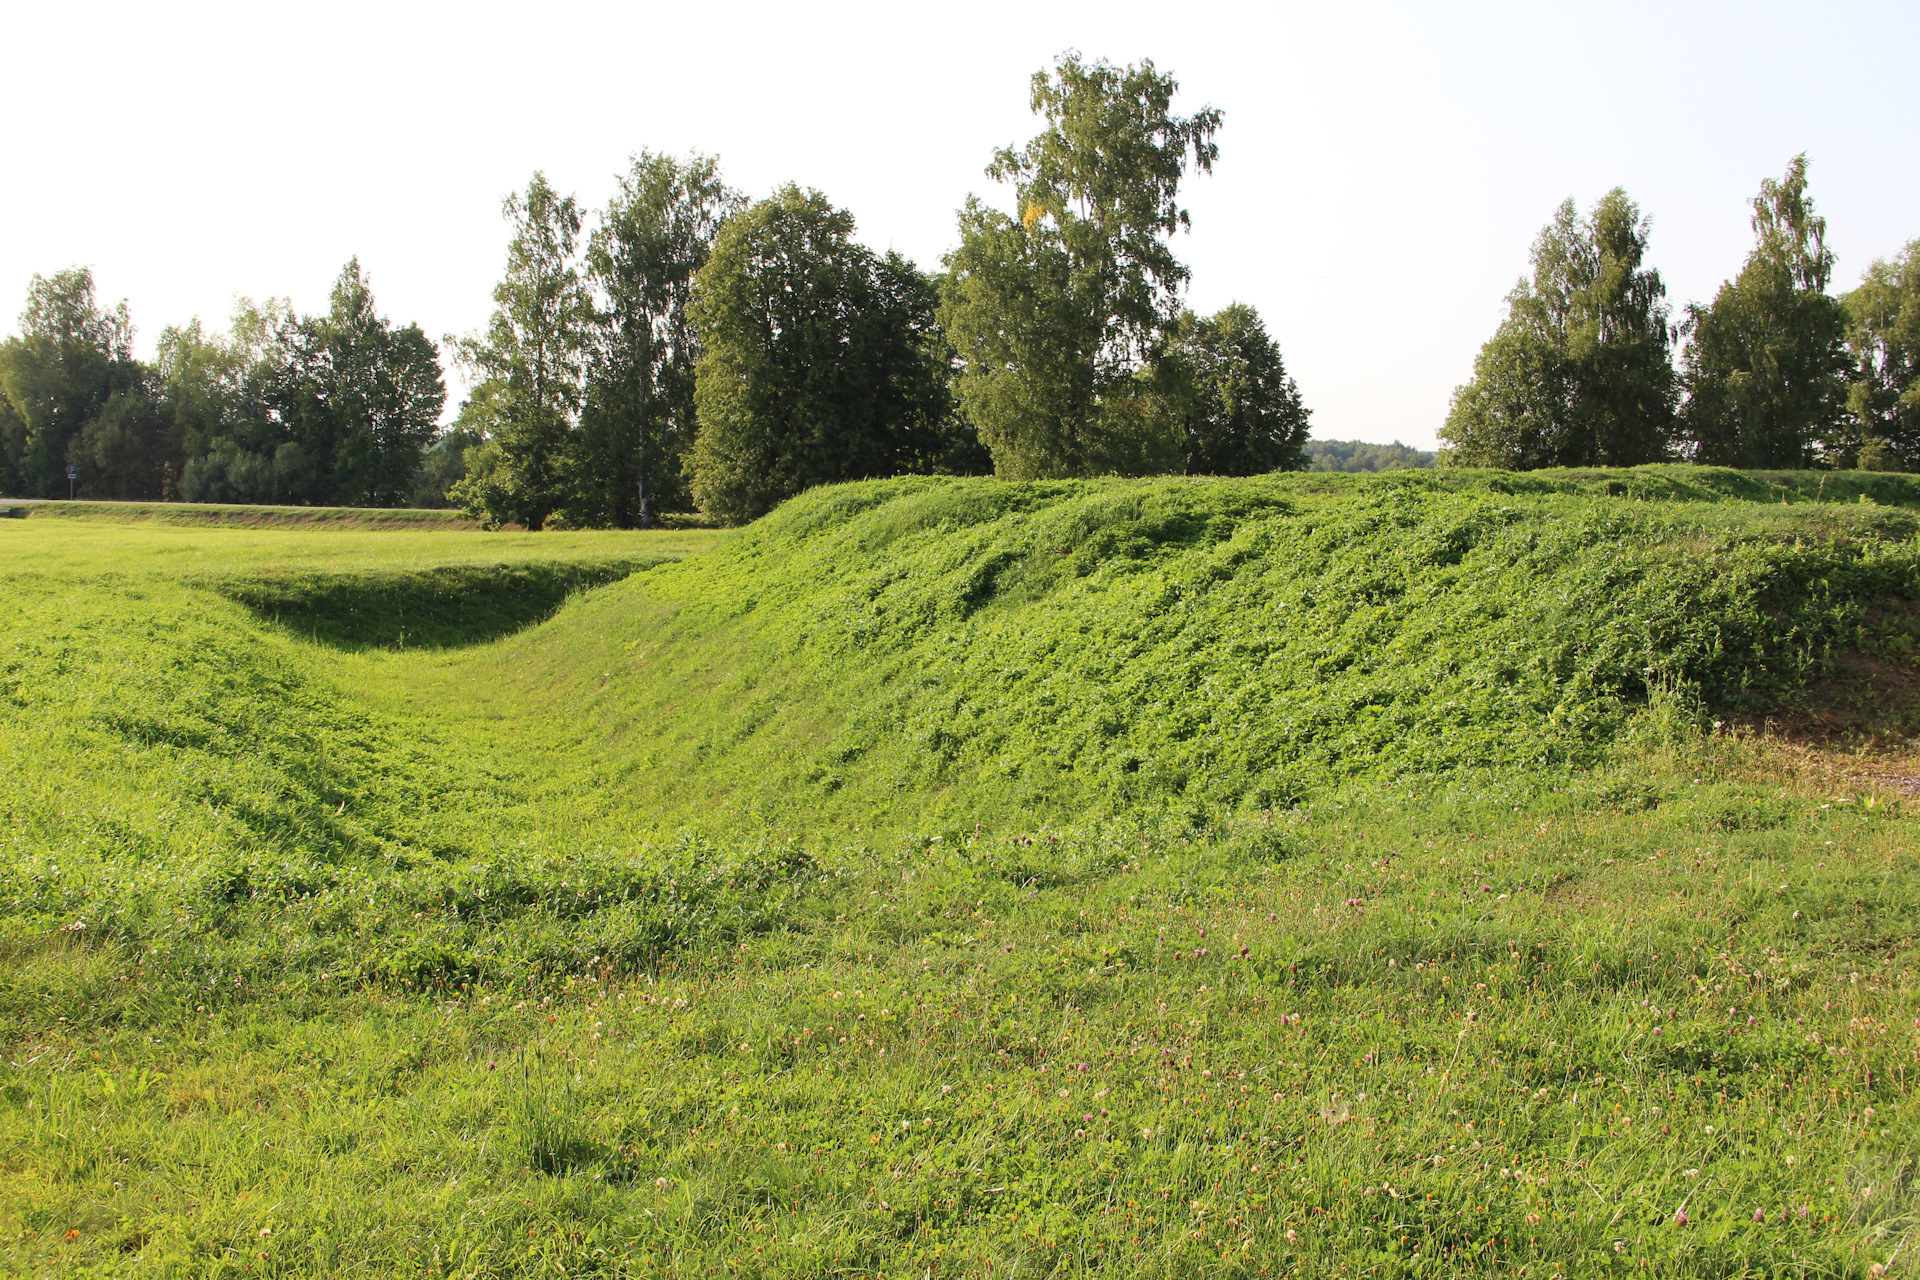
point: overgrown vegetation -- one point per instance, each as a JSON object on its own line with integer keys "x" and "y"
{"x": 1294, "y": 875}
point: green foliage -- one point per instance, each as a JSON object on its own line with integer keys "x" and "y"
{"x": 227, "y": 396}
{"x": 1883, "y": 334}
{"x": 333, "y": 408}
{"x": 74, "y": 395}
{"x": 819, "y": 360}
{"x": 1766, "y": 363}
{"x": 1579, "y": 374}
{"x": 1229, "y": 389}
{"x": 380, "y": 391}
{"x": 1359, "y": 455}
{"x": 639, "y": 420}
{"x": 528, "y": 366}
{"x": 1054, "y": 312}
{"x": 443, "y": 464}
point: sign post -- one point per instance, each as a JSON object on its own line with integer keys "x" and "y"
{"x": 73, "y": 473}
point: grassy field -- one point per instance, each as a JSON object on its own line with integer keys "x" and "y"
{"x": 244, "y": 516}
{"x": 1413, "y": 875}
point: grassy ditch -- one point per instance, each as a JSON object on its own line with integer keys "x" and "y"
{"x": 920, "y": 652}
{"x": 440, "y": 607}
{"x": 954, "y": 878}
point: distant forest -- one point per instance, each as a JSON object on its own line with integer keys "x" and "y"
{"x": 685, "y": 347}
{"x": 1358, "y": 455}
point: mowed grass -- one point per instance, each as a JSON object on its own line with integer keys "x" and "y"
{"x": 244, "y": 515}
{"x": 352, "y": 586}
{"x": 662, "y": 938}
{"x": 75, "y": 549}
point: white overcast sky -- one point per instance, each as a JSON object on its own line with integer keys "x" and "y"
{"x": 1383, "y": 168}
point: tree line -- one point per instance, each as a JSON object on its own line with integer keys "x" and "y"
{"x": 698, "y": 350}
{"x": 1360, "y": 455}
{"x": 686, "y": 348}
{"x": 1774, "y": 373}
{"x": 334, "y": 408}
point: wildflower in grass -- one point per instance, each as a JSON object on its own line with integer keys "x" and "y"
{"x": 1680, "y": 1218}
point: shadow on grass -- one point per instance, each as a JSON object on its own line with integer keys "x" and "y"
{"x": 447, "y": 607}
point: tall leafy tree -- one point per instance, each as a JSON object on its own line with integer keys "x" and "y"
{"x": 1053, "y": 312}
{"x": 819, "y": 361}
{"x": 334, "y": 408}
{"x": 126, "y": 451}
{"x": 639, "y": 417}
{"x": 1766, "y": 364}
{"x": 529, "y": 364}
{"x": 1226, "y": 386}
{"x": 76, "y": 396}
{"x": 1581, "y": 371}
{"x": 375, "y": 393}
{"x": 236, "y": 401}
{"x": 1883, "y": 334}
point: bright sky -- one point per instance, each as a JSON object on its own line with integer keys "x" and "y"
{"x": 1383, "y": 168}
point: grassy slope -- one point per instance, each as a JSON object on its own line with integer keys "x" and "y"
{"x": 918, "y": 656}
{"x": 398, "y": 959}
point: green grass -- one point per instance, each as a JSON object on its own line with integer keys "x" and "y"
{"x": 228, "y": 515}
{"x": 262, "y": 516}
{"x": 956, "y": 878}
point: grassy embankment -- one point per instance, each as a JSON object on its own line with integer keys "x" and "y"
{"x": 1283, "y": 876}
